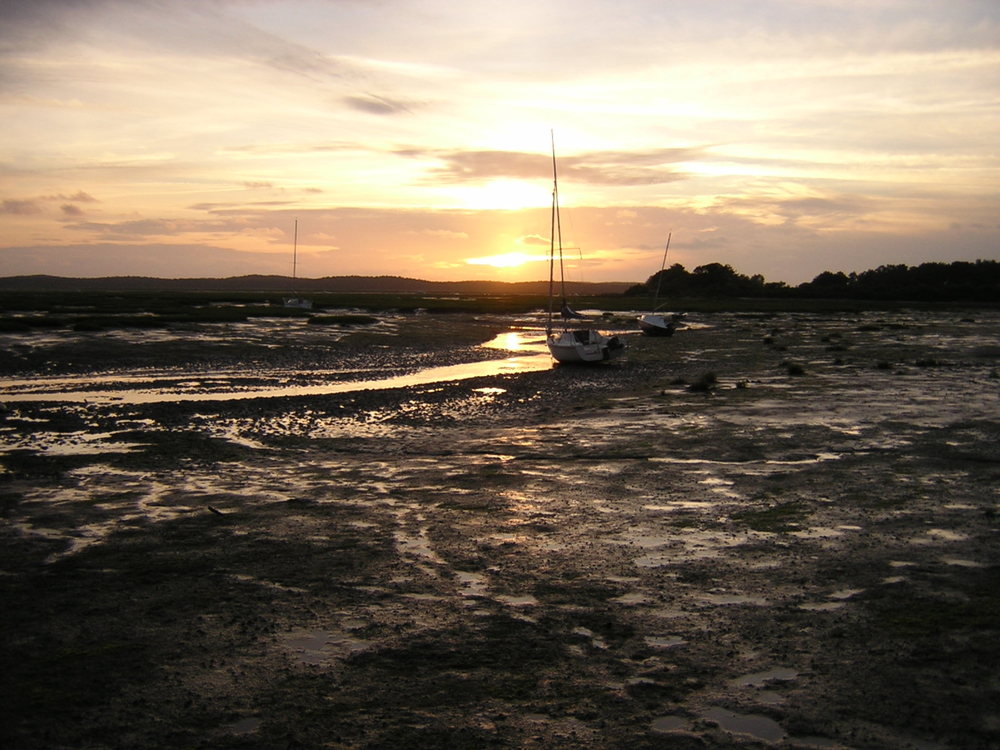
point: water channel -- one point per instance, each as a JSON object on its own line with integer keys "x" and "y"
{"x": 528, "y": 350}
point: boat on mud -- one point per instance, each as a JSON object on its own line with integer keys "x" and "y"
{"x": 654, "y": 323}
{"x": 580, "y": 343}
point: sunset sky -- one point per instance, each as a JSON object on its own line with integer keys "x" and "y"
{"x": 412, "y": 137}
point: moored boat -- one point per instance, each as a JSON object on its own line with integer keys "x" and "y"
{"x": 654, "y": 323}
{"x": 580, "y": 344}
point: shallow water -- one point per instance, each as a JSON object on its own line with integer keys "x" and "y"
{"x": 221, "y": 386}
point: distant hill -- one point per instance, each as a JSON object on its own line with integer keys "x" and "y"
{"x": 285, "y": 284}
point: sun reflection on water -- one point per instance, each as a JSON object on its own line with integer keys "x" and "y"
{"x": 517, "y": 341}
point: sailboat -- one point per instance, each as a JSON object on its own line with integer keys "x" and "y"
{"x": 581, "y": 345}
{"x": 299, "y": 302}
{"x": 653, "y": 323}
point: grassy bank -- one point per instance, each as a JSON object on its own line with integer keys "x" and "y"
{"x": 87, "y": 310}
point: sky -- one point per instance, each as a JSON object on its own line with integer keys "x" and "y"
{"x": 217, "y": 138}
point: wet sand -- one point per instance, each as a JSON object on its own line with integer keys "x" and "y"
{"x": 800, "y": 551}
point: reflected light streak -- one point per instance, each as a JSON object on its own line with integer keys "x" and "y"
{"x": 517, "y": 341}
{"x": 529, "y": 362}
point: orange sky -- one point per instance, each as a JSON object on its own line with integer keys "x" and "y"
{"x": 784, "y": 138}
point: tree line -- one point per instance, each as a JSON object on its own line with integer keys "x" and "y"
{"x": 958, "y": 281}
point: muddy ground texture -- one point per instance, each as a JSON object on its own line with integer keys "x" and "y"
{"x": 769, "y": 530}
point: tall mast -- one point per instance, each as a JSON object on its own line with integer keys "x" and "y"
{"x": 552, "y": 232}
{"x": 295, "y": 250}
{"x": 557, "y": 221}
{"x": 659, "y": 276}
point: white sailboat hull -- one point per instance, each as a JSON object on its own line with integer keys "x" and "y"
{"x": 656, "y": 325}
{"x": 584, "y": 346}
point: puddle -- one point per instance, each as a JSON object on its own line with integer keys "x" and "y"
{"x": 518, "y": 341}
{"x": 595, "y": 641}
{"x": 71, "y": 444}
{"x": 761, "y": 679}
{"x": 664, "y": 641}
{"x": 632, "y": 598}
{"x": 670, "y": 725}
{"x": 821, "y": 606}
{"x": 960, "y": 563}
{"x": 746, "y": 725}
{"x": 417, "y": 546}
{"x": 525, "y": 600}
{"x": 820, "y": 743}
{"x": 473, "y": 585}
{"x": 320, "y": 647}
{"x": 723, "y": 599}
{"x": 244, "y": 726}
{"x": 946, "y": 535}
{"x": 844, "y": 594}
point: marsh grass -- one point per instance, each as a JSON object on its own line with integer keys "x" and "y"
{"x": 162, "y": 302}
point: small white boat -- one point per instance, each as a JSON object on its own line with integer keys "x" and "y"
{"x": 654, "y": 323}
{"x": 299, "y": 302}
{"x": 572, "y": 345}
{"x": 584, "y": 346}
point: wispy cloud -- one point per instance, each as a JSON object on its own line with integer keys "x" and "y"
{"x": 376, "y": 105}
{"x": 596, "y": 168}
{"x": 19, "y": 207}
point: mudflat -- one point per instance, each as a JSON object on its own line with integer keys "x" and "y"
{"x": 768, "y": 530}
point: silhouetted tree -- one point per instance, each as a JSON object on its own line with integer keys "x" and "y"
{"x": 829, "y": 284}
{"x": 674, "y": 281}
{"x": 936, "y": 281}
{"x": 962, "y": 280}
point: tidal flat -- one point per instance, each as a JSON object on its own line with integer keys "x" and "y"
{"x": 773, "y": 529}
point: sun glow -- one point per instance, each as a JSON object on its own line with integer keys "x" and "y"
{"x": 506, "y": 195}
{"x": 506, "y": 260}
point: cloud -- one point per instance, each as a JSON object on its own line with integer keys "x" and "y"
{"x": 817, "y": 211}
{"x": 655, "y": 166}
{"x": 19, "y": 207}
{"x": 30, "y": 206}
{"x": 789, "y": 120}
{"x": 507, "y": 260}
{"x": 230, "y": 224}
{"x": 181, "y": 260}
{"x": 534, "y": 239}
{"x": 77, "y": 197}
{"x": 444, "y": 234}
{"x": 376, "y": 105}
{"x": 185, "y": 31}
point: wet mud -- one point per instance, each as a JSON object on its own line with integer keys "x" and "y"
{"x": 766, "y": 531}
